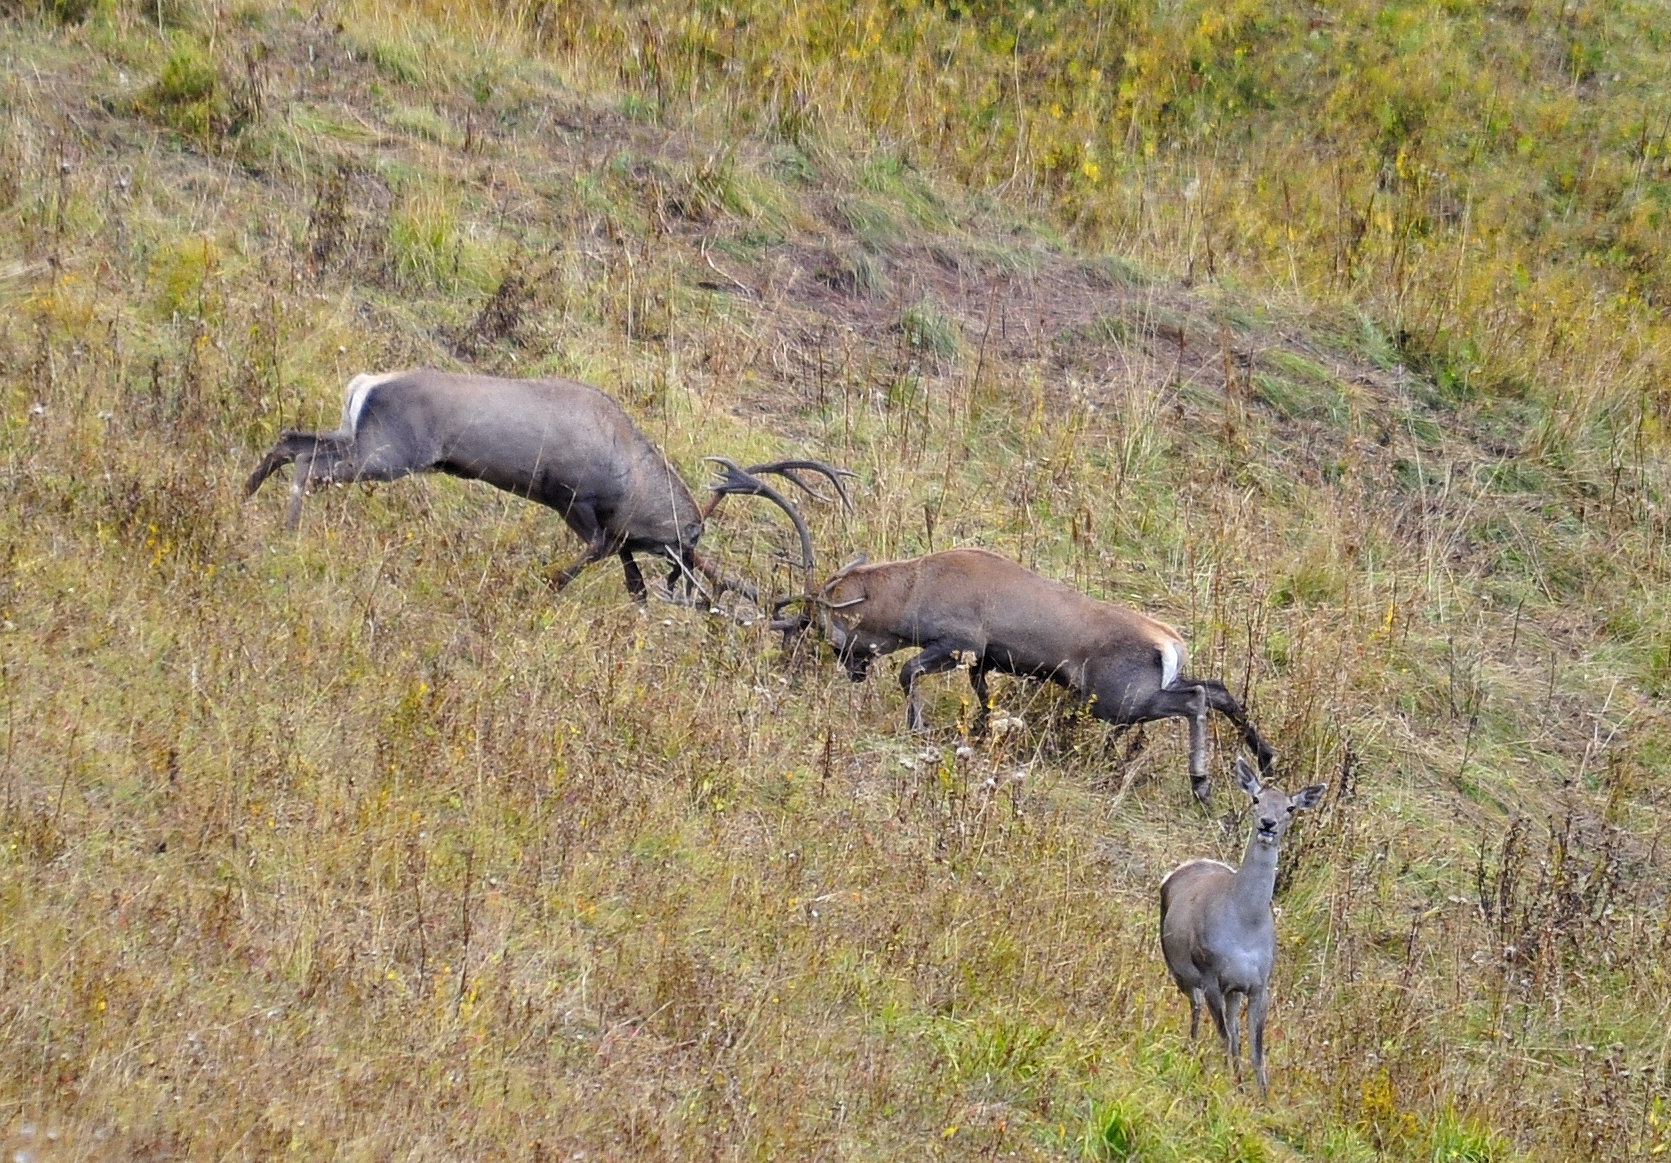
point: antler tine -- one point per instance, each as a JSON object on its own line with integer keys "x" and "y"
{"x": 794, "y": 478}
{"x": 736, "y": 479}
{"x": 847, "y": 568}
{"x": 788, "y": 468}
{"x": 699, "y": 601}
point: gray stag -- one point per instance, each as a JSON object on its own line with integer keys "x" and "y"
{"x": 564, "y": 444}
{"x": 1216, "y": 927}
{"x": 972, "y": 607}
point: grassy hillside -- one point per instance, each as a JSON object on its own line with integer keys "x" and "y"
{"x": 358, "y": 842}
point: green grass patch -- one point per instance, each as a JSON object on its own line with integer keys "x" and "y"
{"x": 187, "y": 94}
{"x": 1115, "y": 1132}
{"x": 330, "y": 123}
{"x": 930, "y": 330}
{"x": 181, "y": 270}
{"x": 1301, "y": 399}
{"x": 425, "y": 122}
{"x": 397, "y": 61}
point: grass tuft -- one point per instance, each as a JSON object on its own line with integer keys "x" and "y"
{"x": 930, "y": 330}
{"x": 187, "y": 93}
{"x": 1114, "y": 1133}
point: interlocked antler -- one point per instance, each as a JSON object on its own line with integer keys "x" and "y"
{"x": 788, "y": 470}
{"x": 811, "y": 599}
{"x": 734, "y": 479}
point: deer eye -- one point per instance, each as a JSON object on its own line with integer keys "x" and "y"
{"x": 1290, "y": 809}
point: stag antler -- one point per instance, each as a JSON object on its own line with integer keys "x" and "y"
{"x": 737, "y": 480}
{"x": 789, "y": 470}
{"x": 811, "y": 598}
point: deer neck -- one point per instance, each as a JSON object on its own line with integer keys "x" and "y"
{"x": 1256, "y": 878}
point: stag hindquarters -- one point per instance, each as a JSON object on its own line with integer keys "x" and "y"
{"x": 1122, "y": 690}
{"x": 320, "y": 459}
{"x": 1125, "y": 695}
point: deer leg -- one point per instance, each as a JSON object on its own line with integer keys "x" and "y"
{"x": 1222, "y": 701}
{"x": 635, "y": 578}
{"x": 289, "y": 446}
{"x": 1198, "y": 774}
{"x": 1215, "y": 1006}
{"x": 583, "y": 521}
{"x": 1233, "y": 1031}
{"x": 331, "y": 460}
{"x": 300, "y": 482}
{"x": 324, "y": 463}
{"x": 1184, "y": 699}
{"x": 1258, "y": 1005}
{"x": 682, "y": 576}
{"x": 983, "y": 697}
{"x": 280, "y": 456}
{"x": 595, "y": 551}
{"x": 935, "y": 659}
{"x": 1194, "y": 1014}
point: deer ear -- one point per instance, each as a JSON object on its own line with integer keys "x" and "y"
{"x": 1308, "y": 797}
{"x": 852, "y": 565}
{"x": 1246, "y": 778}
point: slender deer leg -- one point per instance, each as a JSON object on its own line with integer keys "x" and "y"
{"x": 330, "y": 460}
{"x": 290, "y": 445}
{"x": 1194, "y": 1014}
{"x": 595, "y": 551}
{"x": 635, "y": 578}
{"x": 1222, "y": 701}
{"x": 301, "y": 481}
{"x": 940, "y": 657}
{"x": 597, "y": 545}
{"x": 1233, "y": 1031}
{"x": 1198, "y": 774}
{"x": 1215, "y": 1006}
{"x": 1258, "y": 1005}
{"x": 1185, "y": 699}
{"x": 983, "y": 697}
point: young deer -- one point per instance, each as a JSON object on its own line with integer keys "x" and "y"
{"x": 1216, "y": 927}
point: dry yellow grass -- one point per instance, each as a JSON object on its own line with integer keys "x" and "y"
{"x": 359, "y": 843}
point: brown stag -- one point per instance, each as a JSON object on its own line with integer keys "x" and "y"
{"x": 973, "y": 607}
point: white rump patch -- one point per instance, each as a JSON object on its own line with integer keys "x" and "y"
{"x": 1171, "y": 661}
{"x": 354, "y": 402}
{"x": 1192, "y": 864}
